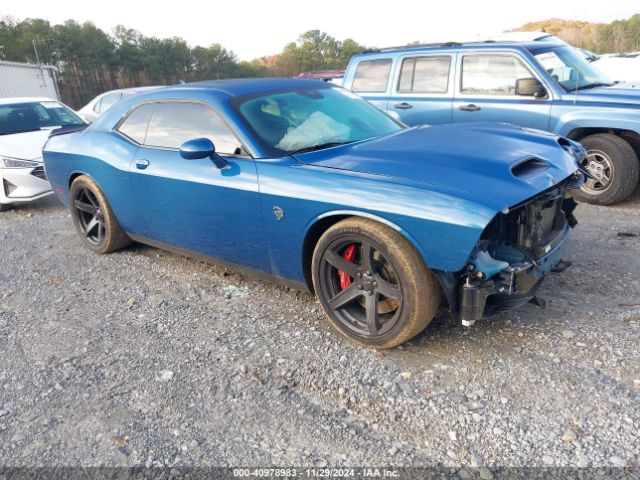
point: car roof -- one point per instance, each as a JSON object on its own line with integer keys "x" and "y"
{"x": 528, "y": 40}
{"x": 249, "y": 86}
{"x": 13, "y": 100}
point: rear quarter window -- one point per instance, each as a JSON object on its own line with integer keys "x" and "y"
{"x": 135, "y": 125}
{"x": 372, "y": 76}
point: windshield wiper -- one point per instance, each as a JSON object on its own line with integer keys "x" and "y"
{"x": 593, "y": 85}
{"x": 320, "y": 146}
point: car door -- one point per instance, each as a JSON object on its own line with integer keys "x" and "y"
{"x": 192, "y": 204}
{"x": 423, "y": 89}
{"x": 485, "y": 91}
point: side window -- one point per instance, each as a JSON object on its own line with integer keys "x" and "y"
{"x": 372, "y": 76}
{"x": 492, "y": 74}
{"x": 173, "y": 123}
{"x": 135, "y": 125}
{"x": 96, "y": 106}
{"x": 425, "y": 75}
{"x": 108, "y": 100}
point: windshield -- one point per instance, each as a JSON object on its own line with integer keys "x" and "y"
{"x": 31, "y": 116}
{"x": 568, "y": 67}
{"x": 312, "y": 118}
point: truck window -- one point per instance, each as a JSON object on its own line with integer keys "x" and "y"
{"x": 424, "y": 75}
{"x": 492, "y": 74}
{"x": 372, "y": 76}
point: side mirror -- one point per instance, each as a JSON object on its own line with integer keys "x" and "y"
{"x": 199, "y": 148}
{"x": 530, "y": 87}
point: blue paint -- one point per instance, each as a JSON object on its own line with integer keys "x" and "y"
{"x": 438, "y": 186}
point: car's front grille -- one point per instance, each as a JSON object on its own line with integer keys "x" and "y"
{"x": 9, "y": 187}
{"x": 39, "y": 172}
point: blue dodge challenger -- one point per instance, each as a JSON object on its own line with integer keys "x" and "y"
{"x": 311, "y": 184}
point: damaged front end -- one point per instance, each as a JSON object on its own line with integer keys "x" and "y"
{"x": 516, "y": 251}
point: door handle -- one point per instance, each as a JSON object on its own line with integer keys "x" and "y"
{"x": 142, "y": 164}
{"x": 470, "y": 107}
{"x": 403, "y": 106}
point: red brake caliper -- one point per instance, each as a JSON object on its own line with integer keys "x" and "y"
{"x": 349, "y": 255}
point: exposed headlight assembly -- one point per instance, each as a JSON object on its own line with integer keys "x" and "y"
{"x": 8, "y": 162}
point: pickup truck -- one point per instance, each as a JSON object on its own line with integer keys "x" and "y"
{"x": 542, "y": 83}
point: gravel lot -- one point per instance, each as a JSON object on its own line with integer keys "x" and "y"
{"x": 147, "y": 358}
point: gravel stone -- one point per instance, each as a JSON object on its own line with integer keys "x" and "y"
{"x": 161, "y": 351}
{"x": 568, "y": 436}
{"x": 618, "y": 462}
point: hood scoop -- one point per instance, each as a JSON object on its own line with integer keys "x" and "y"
{"x": 529, "y": 168}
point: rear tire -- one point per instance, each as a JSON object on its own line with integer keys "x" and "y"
{"x": 373, "y": 284}
{"x": 94, "y": 219}
{"x": 614, "y": 163}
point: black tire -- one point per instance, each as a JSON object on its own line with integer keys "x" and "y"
{"x": 614, "y": 163}
{"x": 390, "y": 296}
{"x": 5, "y": 207}
{"x": 93, "y": 218}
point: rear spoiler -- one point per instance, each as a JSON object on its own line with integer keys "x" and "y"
{"x": 67, "y": 129}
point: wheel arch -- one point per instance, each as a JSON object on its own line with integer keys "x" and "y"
{"x": 320, "y": 224}
{"x": 77, "y": 174}
{"x": 633, "y": 138}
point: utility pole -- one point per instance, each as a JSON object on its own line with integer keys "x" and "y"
{"x": 35, "y": 49}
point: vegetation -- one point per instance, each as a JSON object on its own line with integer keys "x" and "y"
{"x": 616, "y": 37}
{"x": 91, "y": 61}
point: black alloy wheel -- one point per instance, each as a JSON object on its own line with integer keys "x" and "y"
{"x": 93, "y": 217}
{"x": 364, "y": 293}
{"x": 89, "y": 216}
{"x": 372, "y": 283}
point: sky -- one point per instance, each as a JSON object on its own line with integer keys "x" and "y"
{"x": 253, "y": 29}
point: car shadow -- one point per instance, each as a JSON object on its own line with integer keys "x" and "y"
{"x": 48, "y": 202}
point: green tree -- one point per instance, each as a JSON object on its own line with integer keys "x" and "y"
{"x": 213, "y": 62}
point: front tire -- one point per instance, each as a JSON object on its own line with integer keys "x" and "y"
{"x": 372, "y": 283}
{"x": 93, "y": 217}
{"x": 5, "y": 207}
{"x": 614, "y": 165}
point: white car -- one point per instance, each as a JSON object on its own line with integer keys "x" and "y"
{"x": 624, "y": 69}
{"x": 25, "y": 125}
{"x": 105, "y": 101}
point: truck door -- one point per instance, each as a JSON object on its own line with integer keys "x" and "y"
{"x": 485, "y": 91}
{"x": 422, "y": 91}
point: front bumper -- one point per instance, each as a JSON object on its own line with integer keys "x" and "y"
{"x": 516, "y": 285}
{"x": 19, "y": 185}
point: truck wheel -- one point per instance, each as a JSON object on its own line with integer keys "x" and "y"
{"x": 614, "y": 164}
{"x": 372, "y": 284}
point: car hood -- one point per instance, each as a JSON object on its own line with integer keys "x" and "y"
{"x": 471, "y": 161}
{"x": 614, "y": 96}
{"x": 26, "y": 145}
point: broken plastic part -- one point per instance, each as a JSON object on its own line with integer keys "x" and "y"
{"x": 488, "y": 265}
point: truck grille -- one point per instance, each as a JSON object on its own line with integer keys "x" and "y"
{"x": 39, "y": 172}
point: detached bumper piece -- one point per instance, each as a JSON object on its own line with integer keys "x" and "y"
{"x": 515, "y": 286}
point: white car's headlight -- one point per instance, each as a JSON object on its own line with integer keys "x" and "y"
{"x": 8, "y": 162}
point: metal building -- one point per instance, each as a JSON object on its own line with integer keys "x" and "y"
{"x": 28, "y": 80}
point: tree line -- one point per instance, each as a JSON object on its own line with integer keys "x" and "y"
{"x": 91, "y": 61}
{"x": 619, "y": 36}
